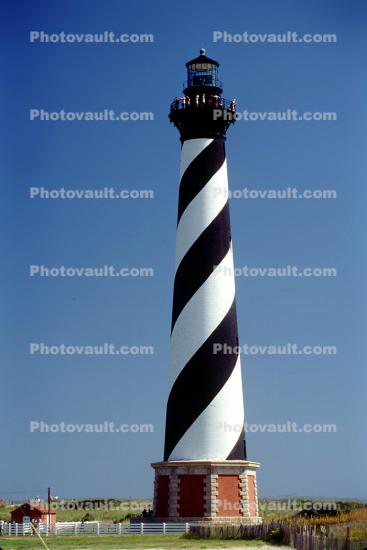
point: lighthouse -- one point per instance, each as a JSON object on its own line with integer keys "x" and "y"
{"x": 205, "y": 474}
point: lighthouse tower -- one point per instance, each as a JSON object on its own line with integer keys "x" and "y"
{"x": 205, "y": 474}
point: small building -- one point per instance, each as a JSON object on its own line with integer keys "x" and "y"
{"x": 33, "y": 511}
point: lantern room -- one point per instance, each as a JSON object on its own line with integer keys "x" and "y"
{"x": 202, "y": 72}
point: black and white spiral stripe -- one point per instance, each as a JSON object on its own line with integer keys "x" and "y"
{"x": 205, "y": 415}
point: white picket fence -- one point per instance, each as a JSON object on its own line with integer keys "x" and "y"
{"x": 97, "y": 528}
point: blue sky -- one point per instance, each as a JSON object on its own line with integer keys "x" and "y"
{"x": 145, "y": 155}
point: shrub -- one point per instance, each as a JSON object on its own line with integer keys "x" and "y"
{"x": 88, "y": 517}
{"x": 275, "y": 536}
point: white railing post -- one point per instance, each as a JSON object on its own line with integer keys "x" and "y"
{"x": 119, "y": 528}
{"x": 9, "y": 528}
{"x": 142, "y": 528}
{"x": 98, "y": 530}
{"x": 16, "y": 529}
{"x": 187, "y": 527}
{"x": 164, "y": 528}
{"x": 75, "y": 529}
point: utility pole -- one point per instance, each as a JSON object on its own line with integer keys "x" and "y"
{"x": 49, "y": 506}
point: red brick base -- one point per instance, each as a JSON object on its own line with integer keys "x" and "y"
{"x": 206, "y": 491}
{"x": 162, "y": 495}
{"x": 229, "y": 497}
{"x": 191, "y": 502}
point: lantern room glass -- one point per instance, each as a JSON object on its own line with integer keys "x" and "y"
{"x": 202, "y": 74}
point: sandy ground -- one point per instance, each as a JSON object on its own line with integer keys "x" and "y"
{"x": 264, "y": 547}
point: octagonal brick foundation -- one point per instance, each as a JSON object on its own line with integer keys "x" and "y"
{"x": 196, "y": 490}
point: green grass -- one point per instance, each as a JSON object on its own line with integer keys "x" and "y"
{"x": 120, "y": 542}
{"x": 120, "y": 509}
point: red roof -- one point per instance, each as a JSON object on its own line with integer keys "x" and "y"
{"x": 34, "y": 505}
